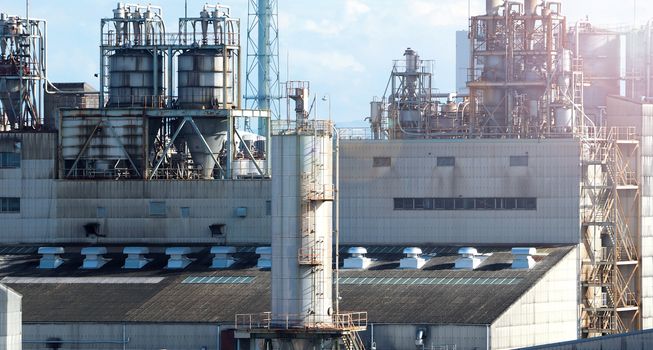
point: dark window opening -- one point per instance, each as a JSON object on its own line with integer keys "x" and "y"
{"x": 9, "y": 205}
{"x": 518, "y": 160}
{"x": 9, "y": 160}
{"x": 486, "y": 203}
{"x": 446, "y": 161}
{"x": 381, "y": 162}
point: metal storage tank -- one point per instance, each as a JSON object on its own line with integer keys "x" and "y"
{"x": 302, "y": 226}
{"x": 135, "y": 78}
{"x": 202, "y": 80}
{"x": 202, "y": 77}
{"x": 127, "y": 133}
{"x": 600, "y": 51}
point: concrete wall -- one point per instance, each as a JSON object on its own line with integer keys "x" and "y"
{"x": 55, "y": 211}
{"x": 646, "y": 240}
{"x": 126, "y": 205}
{"x": 628, "y": 341}
{"x": 482, "y": 169}
{"x": 11, "y": 317}
{"x": 547, "y": 313}
{"x": 33, "y": 184}
{"x": 129, "y": 336}
{"x": 402, "y": 337}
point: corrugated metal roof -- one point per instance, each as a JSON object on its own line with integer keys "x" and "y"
{"x": 435, "y": 294}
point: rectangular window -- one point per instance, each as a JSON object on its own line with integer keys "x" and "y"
{"x": 381, "y": 162}
{"x": 157, "y": 209}
{"x": 184, "y": 212}
{"x": 268, "y": 208}
{"x": 525, "y": 203}
{"x": 9, "y": 160}
{"x": 518, "y": 160}
{"x": 446, "y": 161}
{"x": 9, "y": 205}
{"x": 101, "y": 212}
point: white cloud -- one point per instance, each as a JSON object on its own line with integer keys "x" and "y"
{"x": 327, "y": 61}
{"x": 324, "y": 27}
{"x": 355, "y": 8}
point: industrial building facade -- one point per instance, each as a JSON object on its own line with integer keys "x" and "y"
{"x": 539, "y": 156}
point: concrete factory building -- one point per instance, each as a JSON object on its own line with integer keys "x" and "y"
{"x": 516, "y": 213}
{"x": 493, "y": 306}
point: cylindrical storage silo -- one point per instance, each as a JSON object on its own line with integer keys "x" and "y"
{"x": 302, "y": 228}
{"x": 135, "y": 78}
{"x": 205, "y": 79}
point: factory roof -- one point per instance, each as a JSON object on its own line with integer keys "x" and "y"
{"x": 435, "y": 294}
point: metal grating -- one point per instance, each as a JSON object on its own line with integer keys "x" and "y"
{"x": 421, "y": 281}
{"x": 218, "y": 280}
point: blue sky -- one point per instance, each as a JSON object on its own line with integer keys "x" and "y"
{"x": 344, "y": 48}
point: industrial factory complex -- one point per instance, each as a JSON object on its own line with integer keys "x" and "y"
{"x": 174, "y": 207}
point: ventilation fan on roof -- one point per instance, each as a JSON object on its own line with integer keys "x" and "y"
{"x": 94, "y": 257}
{"x": 265, "y": 257}
{"x": 135, "y": 257}
{"x": 178, "y": 257}
{"x": 222, "y": 257}
{"x": 413, "y": 259}
{"x": 50, "y": 257}
{"x": 357, "y": 260}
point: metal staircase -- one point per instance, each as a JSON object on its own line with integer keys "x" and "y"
{"x": 352, "y": 341}
{"x": 610, "y": 264}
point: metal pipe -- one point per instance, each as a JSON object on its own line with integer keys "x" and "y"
{"x": 648, "y": 59}
{"x": 217, "y": 343}
{"x": 336, "y": 228}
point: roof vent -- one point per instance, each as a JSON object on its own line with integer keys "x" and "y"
{"x": 178, "y": 258}
{"x": 522, "y": 257}
{"x": 135, "y": 257}
{"x": 413, "y": 260}
{"x": 51, "y": 258}
{"x": 222, "y": 257}
{"x": 94, "y": 257}
{"x": 265, "y": 257}
{"x": 469, "y": 259}
{"x": 357, "y": 261}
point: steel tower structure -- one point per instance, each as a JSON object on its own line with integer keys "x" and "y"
{"x": 262, "y": 89}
